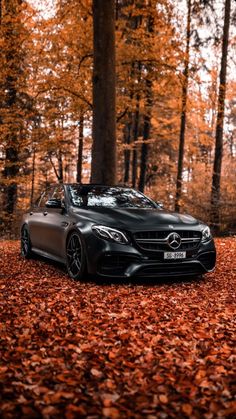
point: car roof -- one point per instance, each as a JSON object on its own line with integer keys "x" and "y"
{"x": 96, "y": 184}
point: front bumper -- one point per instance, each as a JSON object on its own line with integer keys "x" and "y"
{"x": 108, "y": 259}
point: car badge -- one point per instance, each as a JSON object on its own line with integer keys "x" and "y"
{"x": 174, "y": 241}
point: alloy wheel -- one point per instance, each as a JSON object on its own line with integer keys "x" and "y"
{"x": 74, "y": 256}
{"x": 25, "y": 243}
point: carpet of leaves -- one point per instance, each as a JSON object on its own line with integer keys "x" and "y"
{"x": 156, "y": 349}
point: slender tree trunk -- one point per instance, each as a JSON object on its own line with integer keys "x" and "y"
{"x": 80, "y": 149}
{"x": 183, "y": 113}
{"x": 10, "y": 172}
{"x": 135, "y": 137}
{"x": 215, "y": 191}
{"x": 56, "y": 171}
{"x": 146, "y": 135}
{"x": 147, "y": 116}
{"x": 60, "y": 166}
{"x": 127, "y": 153}
{"x": 33, "y": 177}
{"x": 103, "y": 168}
{"x": 128, "y": 134}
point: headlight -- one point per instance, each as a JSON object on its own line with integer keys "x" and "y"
{"x": 108, "y": 233}
{"x": 206, "y": 234}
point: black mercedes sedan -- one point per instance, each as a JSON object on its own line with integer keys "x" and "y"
{"x": 115, "y": 231}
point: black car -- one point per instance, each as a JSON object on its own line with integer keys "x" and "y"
{"x": 115, "y": 231}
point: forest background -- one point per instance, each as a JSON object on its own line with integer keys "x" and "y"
{"x": 175, "y": 103}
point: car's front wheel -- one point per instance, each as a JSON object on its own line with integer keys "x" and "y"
{"x": 75, "y": 256}
{"x": 26, "y": 246}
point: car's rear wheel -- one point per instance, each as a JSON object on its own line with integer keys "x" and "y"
{"x": 75, "y": 256}
{"x": 26, "y": 247}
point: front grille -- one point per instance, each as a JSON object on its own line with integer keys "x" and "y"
{"x": 157, "y": 240}
{"x": 171, "y": 270}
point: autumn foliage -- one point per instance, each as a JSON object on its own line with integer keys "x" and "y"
{"x": 47, "y": 104}
{"x": 116, "y": 350}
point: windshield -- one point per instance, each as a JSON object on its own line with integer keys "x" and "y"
{"x": 108, "y": 196}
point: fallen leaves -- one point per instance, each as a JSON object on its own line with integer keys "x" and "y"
{"x": 96, "y": 373}
{"x": 150, "y": 350}
{"x": 111, "y": 412}
{"x": 163, "y": 398}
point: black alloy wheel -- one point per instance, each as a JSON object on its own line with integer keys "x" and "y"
{"x": 76, "y": 262}
{"x": 26, "y": 251}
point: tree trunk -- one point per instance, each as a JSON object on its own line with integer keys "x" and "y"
{"x": 127, "y": 153}
{"x": 11, "y": 168}
{"x": 80, "y": 149}
{"x": 128, "y": 134}
{"x": 147, "y": 116}
{"x": 33, "y": 178}
{"x": 10, "y": 172}
{"x": 60, "y": 166}
{"x": 135, "y": 137}
{"x": 103, "y": 168}
{"x": 215, "y": 191}
{"x": 183, "y": 114}
{"x": 146, "y": 135}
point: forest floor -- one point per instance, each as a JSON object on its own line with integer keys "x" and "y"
{"x": 138, "y": 350}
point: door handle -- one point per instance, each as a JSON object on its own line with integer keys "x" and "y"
{"x": 64, "y": 224}
{"x": 45, "y": 213}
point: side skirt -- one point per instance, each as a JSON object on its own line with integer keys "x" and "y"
{"x": 48, "y": 255}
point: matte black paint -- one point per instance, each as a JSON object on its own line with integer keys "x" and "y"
{"x": 49, "y": 229}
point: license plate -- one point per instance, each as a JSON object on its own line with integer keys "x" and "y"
{"x": 174, "y": 255}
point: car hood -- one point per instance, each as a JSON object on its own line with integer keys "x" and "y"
{"x": 135, "y": 218}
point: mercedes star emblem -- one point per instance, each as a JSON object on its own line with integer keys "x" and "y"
{"x": 174, "y": 240}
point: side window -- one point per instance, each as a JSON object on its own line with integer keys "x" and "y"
{"x": 45, "y": 197}
{"x": 59, "y": 193}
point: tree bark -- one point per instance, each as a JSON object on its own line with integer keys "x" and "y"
{"x": 215, "y": 190}
{"x": 33, "y": 177}
{"x": 80, "y": 149}
{"x": 135, "y": 137}
{"x": 147, "y": 116}
{"x": 13, "y": 64}
{"x": 127, "y": 152}
{"x": 183, "y": 114}
{"x": 60, "y": 166}
{"x": 146, "y": 135}
{"x": 103, "y": 168}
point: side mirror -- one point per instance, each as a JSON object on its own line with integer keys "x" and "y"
{"x": 55, "y": 203}
{"x": 160, "y": 205}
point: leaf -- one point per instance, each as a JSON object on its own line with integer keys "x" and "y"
{"x": 187, "y": 409}
{"x": 163, "y": 398}
{"x": 96, "y": 373}
{"x": 111, "y": 412}
{"x": 63, "y": 355}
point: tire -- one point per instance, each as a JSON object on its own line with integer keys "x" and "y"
{"x": 26, "y": 246}
{"x": 75, "y": 257}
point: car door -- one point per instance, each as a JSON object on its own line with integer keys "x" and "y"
{"x": 55, "y": 223}
{"x": 37, "y": 220}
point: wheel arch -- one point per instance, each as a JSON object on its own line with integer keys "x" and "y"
{"x": 77, "y": 231}
{"x": 23, "y": 225}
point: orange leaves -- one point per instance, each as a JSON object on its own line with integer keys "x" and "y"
{"x": 111, "y": 412}
{"x": 163, "y": 398}
{"x": 96, "y": 373}
{"x": 187, "y": 409}
{"x": 146, "y": 350}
